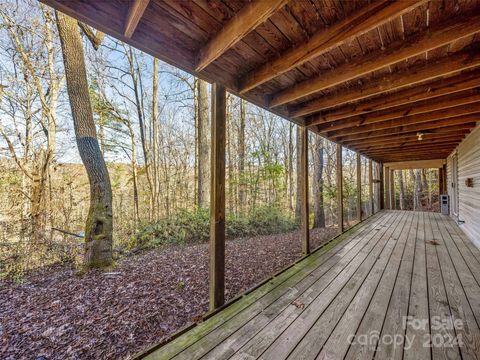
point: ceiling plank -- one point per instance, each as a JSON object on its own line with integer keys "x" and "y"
{"x": 444, "y": 34}
{"x": 247, "y": 19}
{"x": 448, "y": 108}
{"x": 405, "y": 165}
{"x": 406, "y": 145}
{"x": 365, "y": 19}
{"x": 135, "y": 13}
{"x": 444, "y": 66}
{"x": 412, "y": 95}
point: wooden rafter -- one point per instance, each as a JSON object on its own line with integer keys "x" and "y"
{"x": 246, "y": 20}
{"x": 412, "y": 95}
{"x": 402, "y": 165}
{"x": 445, "y": 66}
{"x": 367, "y": 18}
{"x": 439, "y": 115}
{"x": 412, "y": 141}
{"x": 384, "y": 121}
{"x": 462, "y": 122}
{"x": 385, "y": 140}
{"x": 426, "y": 41}
{"x": 402, "y": 146}
{"x": 135, "y": 13}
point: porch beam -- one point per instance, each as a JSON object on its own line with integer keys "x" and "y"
{"x": 340, "y": 188}
{"x": 246, "y": 20}
{"x": 406, "y": 165}
{"x": 364, "y": 20}
{"x": 443, "y": 34}
{"x": 217, "y": 197}
{"x": 304, "y": 213}
{"x": 410, "y": 96}
{"x": 134, "y": 15}
{"x": 445, "y": 66}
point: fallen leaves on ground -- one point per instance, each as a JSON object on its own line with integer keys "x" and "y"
{"x": 58, "y": 315}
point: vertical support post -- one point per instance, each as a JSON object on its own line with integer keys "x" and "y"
{"x": 392, "y": 189}
{"x": 370, "y": 186}
{"x": 304, "y": 212}
{"x": 340, "y": 188}
{"x": 387, "y": 188}
{"x": 359, "y": 188}
{"x": 217, "y": 197}
{"x": 440, "y": 182}
{"x": 382, "y": 188}
{"x": 444, "y": 183}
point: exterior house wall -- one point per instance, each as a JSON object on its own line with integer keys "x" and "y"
{"x": 468, "y": 158}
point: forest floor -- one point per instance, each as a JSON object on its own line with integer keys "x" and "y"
{"x": 54, "y": 314}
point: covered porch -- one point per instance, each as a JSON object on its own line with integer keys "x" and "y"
{"x": 394, "y": 81}
{"x": 399, "y": 285}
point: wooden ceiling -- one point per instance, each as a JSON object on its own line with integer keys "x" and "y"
{"x": 373, "y": 76}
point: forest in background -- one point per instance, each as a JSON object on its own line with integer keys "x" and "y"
{"x": 153, "y": 127}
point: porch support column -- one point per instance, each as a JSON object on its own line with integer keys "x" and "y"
{"x": 339, "y": 188}
{"x": 359, "y": 188}
{"x": 304, "y": 212}
{"x": 382, "y": 188}
{"x": 217, "y": 198}
{"x": 444, "y": 183}
{"x": 387, "y": 188}
{"x": 392, "y": 189}
{"x": 370, "y": 186}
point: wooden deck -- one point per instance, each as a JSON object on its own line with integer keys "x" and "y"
{"x": 383, "y": 291}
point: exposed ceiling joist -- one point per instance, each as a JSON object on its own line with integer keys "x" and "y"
{"x": 412, "y": 95}
{"x": 405, "y": 137}
{"x": 469, "y": 121}
{"x": 135, "y": 13}
{"x": 406, "y": 142}
{"x": 247, "y": 19}
{"x": 439, "y": 115}
{"x": 419, "y": 44}
{"x": 428, "y": 110}
{"x": 367, "y": 18}
{"x": 445, "y": 66}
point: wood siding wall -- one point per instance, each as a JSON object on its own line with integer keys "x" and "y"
{"x": 468, "y": 153}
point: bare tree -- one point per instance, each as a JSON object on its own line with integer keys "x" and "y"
{"x": 99, "y": 225}
{"x": 318, "y": 208}
{"x": 203, "y": 144}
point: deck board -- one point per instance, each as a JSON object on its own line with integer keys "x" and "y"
{"x": 395, "y": 264}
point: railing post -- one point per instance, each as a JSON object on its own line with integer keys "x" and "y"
{"x": 340, "y": 188}
{"x": 359, "y": 188}
{"x": 304, "y": 211}
{"x": 217, "y": 198}
{"x": 370, "y": 186}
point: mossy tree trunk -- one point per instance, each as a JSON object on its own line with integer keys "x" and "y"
{"x": 99, "y": 225}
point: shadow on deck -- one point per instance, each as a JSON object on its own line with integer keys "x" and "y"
{"x": 387, "y": 289}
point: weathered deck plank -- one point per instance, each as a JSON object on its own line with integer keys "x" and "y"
{"x": 395, "y": 264}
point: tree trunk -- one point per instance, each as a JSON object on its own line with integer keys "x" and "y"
{"x": 99, "y": 225}
{"x": 242, "y": 192}
{"x": 298, "y": 204}
{"x": 203, "y": 145}
{"x": 318, "y": 209}
{"x": 155, "y": 170}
